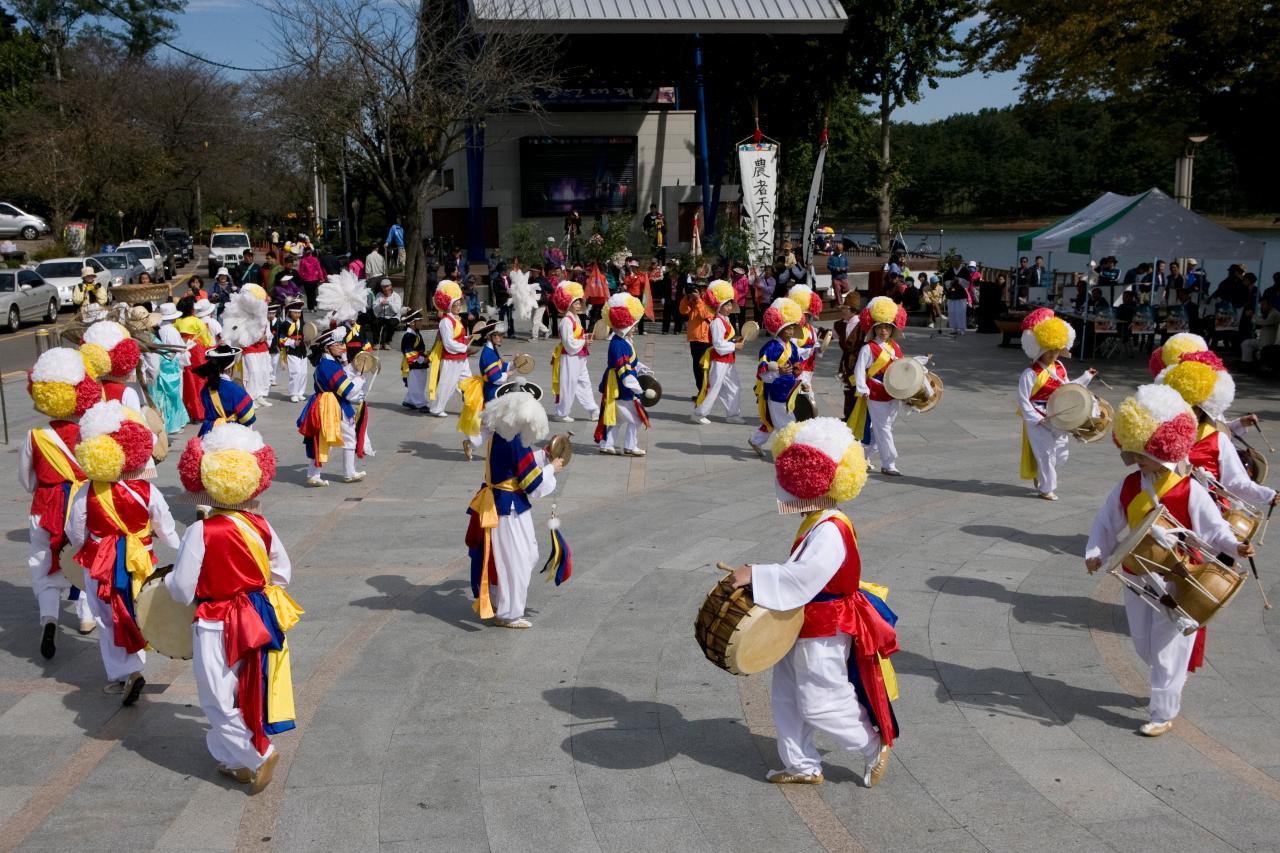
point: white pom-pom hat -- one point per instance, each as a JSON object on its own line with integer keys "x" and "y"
{"x": 517, "y": 413}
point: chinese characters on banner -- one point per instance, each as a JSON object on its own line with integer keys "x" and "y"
{"x": 758, "y": 165}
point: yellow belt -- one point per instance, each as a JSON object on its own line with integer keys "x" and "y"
{"x": 486, "y": 509}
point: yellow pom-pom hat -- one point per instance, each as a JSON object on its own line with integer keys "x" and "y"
{"x": 1044, "y": 331}
{"x": 782, "y": 312}
{"x": 882, "y": 311}
{"x": 447, "y": 293}
{"x": 1203, "y": 381}
{"x": 566, "y": 293}
{"x": 818, "y": 464}
{"x": 1155, "y": 422}
{"x": 229, "y": 467}
{"x": 803, "y": 295}
{"x": 1172, "y": 351}
{"x": 115, "y": 444}
{"x": 718, "y": 293}
{"x": 60, "y": 386}
{"x": 623, "y": 312}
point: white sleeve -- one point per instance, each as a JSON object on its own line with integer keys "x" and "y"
{"x": 131, "y": 399}
{"x": 181, "y": 582}
{"x": 571, "y": 347}
{"x": 1029, "y": 412}
{"x": 1108, "y": 525}
{"x": 721, "y": 344}
{"x": 548, "y": 484}
{"x": 860, "y": 371}
{"x": 1237, "y": 428}
{"x": 446, "y": 338}
{"x": 785, "y": 586}
{"x": 1083, "y": 379}
{"x": 1208, "y": 523}
{"x": 1236, "y": 478}
{"x": 162, "y": 519}
{"x": 923, "y": 359}
{"x": 77, "y": 520}
{"x": 26, "y": 471}
{"x": 632, "y": 384}
{"x": 281, "y": 568}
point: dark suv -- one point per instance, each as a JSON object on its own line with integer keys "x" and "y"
{"x": 181, "y": 242}
{"x": 167, "y": 253}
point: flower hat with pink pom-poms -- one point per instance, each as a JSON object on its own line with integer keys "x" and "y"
{"x": 1155, "y": 422}
{"x": 228, "y": 468}
{"x": 115, "y": 444}
{"x": 109, "y": 350}
{"x": 1172, "y": 351}
{"x": 565, "y": 294}
{"x": 782, "y": 312}
{"x": 1203, "y": 381}
{"x": 803, "y": 295}
{"x": 882, "y": 311}
{"x": 818, "y": 464}
{"x": 623, "y": 311}
{"x": 60, "y": 385}
{"x": 1043, "y": 331}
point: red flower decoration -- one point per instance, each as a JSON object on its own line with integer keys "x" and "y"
{"x": 805, "y": 471}
{"x": 136, "y": 441}
{"x": 864, "y": 321}
{"x": 124, "y": 357}
{"x": 88, "y": 394}
{"x": 1035, "y": 318}
{"x": 1173, "y": 439}
{"x": 1155, "y": 364}
{"x": 189, "y": 465}
{"x": 620, "y": 317}
{"x": 815, "y": 304}
{"x": 267, "y": 466}
{"x": 1206, "y": 357}
{"x": 772, "y": 320}
{"x": 901, "y": 320}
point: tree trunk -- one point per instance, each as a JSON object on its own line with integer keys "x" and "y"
{"x": 883, "y": 205}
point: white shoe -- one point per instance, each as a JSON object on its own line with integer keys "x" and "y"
{"x": 296, "y": 399}
{"x": 87, "y": 626}
{"x": 608, "y": 451}
{"x": 636, "y": 452}
{"x": 513, "y": 623}
{"x": 264, "y": 403}
{"x": 317, "y": 482}
{"x": 1048, "y": 496}
{"x": 354, "y": 478}
{"x": 700, "y": 420}
{"x": 565, "y": 419}
{"x": 1154, "y": 729}
{"x": 441, "y": 414}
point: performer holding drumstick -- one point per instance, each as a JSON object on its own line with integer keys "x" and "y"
{"x": 875, "y": 409}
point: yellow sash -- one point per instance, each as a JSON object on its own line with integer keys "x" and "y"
{"x": 54, "y": 452}
{"x": 882, "y": 361}
{"x": 555, "y": 368}
{"x": 1204, "y": 430}
{"x": 330, "y": 417}
{"x": 194, "y": 327}
{"x": 609, "y": 405}
{"x": 279, "y": 673}
{"x": 137, "y": 559}
{"x": 472, "y": 405}
{"x": 434, "y": 358}
{"x": 1028, "y": 468}
{"x": 486, "y": 510}
{"x": 1142, "y": 504}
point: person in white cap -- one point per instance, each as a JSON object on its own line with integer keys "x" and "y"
{"x": 89, "y": 291}
{"x": 204, "y": 310}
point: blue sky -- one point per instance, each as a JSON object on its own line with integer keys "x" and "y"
{"x": 238, "y": 32}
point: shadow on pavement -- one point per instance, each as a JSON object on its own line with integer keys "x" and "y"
{"x": 449, "y": 601}
{"x": 689, "y": 449}
{"x": 1067, "y": 611}
{"x": 973, "y": 487}
{"x": 450, "y": 451}
{"x": 1072, "y": 544}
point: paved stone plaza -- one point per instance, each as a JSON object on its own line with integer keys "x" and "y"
{"x": 603, "y": 728}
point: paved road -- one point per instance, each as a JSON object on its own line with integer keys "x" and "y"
{"x": 603, "y": 728}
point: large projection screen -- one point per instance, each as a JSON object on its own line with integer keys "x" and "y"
{"x": 594, "y": 174}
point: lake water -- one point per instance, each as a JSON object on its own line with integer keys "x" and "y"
{"x": 1000, "y": 249}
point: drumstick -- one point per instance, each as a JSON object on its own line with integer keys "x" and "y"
{"x": 724, "y": 567}
{"x": 1266, "y": 604}
{"x": 1103, "y": 382}
{"x": 1258, "y": 427}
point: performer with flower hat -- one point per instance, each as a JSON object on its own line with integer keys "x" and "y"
{"x": 806, "y": 337}
{"x": 112, "y": 355}
{"x": 875, "y": 410}
{"x": 335, "y": 415}
{"x": 111, "y": 524}
{"x": 1046, "y": 339}
{"x": 778, "y": 372}
{"x": 234, "y": 566}
{"x": 836, "y": 679}
{"x": 62, "y": 390}
{"x": 481, "y": 390}
{"x": 621, "y": 397}
{"x": 570, "y": 378}
{"x": 719, "y": 373}
{"x": 500, "y": 535}
{"x": 448, "y": 357}
{"x": 1204, "y": 383}
{"x": 1155, "y": 429}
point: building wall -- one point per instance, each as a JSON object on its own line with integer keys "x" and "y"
{"x": 665, "y": 161}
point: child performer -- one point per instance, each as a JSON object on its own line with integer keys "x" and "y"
{"x": 275, "y": 322}
{"x": 833, "y": 679}
{"x": 448, "y": 358}
{"x": 221, "y": 399}
{"x": 293, "y": 350}
{"x": 336, "y": 413}
{"x": 111, "y": 524}
{"x": 1046, "y": 339}
{"x": 806, "y": 338}
{"x": 620, "y": 384}
{"x": 570, "y": 379}
{"x": 235, "y": 567}
{"x": 415, "y": 368}
{"x": 62, "y": 391}
{"x": 479, "y": 391}
{"x": 875, "y": 410}
{"x": 778, "y": 372}
{"x": 112, "y": 355}
{"x": 720, "y": 376}
{"x": 500, "y": 535}
{"x": 1156, "y": 429}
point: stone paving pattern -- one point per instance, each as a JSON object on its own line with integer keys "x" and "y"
{"x": 603, "y": 728}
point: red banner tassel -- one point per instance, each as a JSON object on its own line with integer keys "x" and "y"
{"x": 559, "y": 565}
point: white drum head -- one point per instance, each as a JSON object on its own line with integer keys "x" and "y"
{"x": 904, "y": 378}
{"x": 1070, "y": 407}
{"x": 165, "y": 624}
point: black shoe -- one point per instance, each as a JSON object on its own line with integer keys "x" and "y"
{"x": 133, "y": 688}
{"x": 47, "y": 646}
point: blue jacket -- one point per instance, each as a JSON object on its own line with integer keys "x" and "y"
{"x": 779, "y": 390}
{"x": 622, "y": 363}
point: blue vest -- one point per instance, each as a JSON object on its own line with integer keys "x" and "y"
{"x": 779, "y": 389}
{"x": 622, "y": 363}
{"x": 493, "y": 369}
{"x": 237, "y": 405}
{"x": 511, "y": 460}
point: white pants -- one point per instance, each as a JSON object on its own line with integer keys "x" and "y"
{"x": 1159, "y": 642}
{"x": 515, "y": 551}
{"x": 347, "y": 429}
{"x": 539, "y": 330}
{"x": 883, "y": 413}
{"x": 1050, "y": 450}
{"x": 811, "y": 693}
{"x": 451, "y": 373}
{"x": 957, "y": 311}
{"x": 275, "y": 367}
{"x": 257, "y": 374}
{"x": 229, "y": 740}
{"x": 628, "y": 424}
{"x": 575, "y": 386}
{"x": 298, "y": 374}
{"x": 118, "y": 663}
{"x": 416, "y": 388}
{"x": 49, "y": 588}
{"x": 780, "y": 415}
{"x": 722, "y": 386}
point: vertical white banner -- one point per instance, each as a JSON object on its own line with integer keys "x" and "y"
{"x": 758, "y": 165}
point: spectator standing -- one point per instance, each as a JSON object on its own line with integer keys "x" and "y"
{"x": 500, "y": 290}
{"x": 572, "y": 233}
{"x": 268, "y": 272}
{"x": 394, "y": 244}
{"x": 551, "y": 254}
{"x": 636, "y": 283}
{"x": 955, "y": 288}
{"x": 1177, "y": 281}
{"x": 596, "y": 288}
{"x": 741, "y": 293}
{"x": 1023, "y": 281}
{"x": 766, "y": 286}
{"x": 472, "y": 297}
{"x": 247, "y": 272}
{"x": 310, "y": 274}
{"x": 1272, "y": 293}
{"x": 668, "y": 288}
{"x": 375, "y": 265}
{"x": 698, "y": 333}
{"x": 386, "y": 314}
{"x": 838, "y": 266}
{"x": 1265, "y": 326}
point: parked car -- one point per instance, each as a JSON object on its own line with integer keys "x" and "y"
{"x": 26, "y": 297}
{"x": 123, "y": 267}
{"x": 64, "y": 274}
{"x": 226, "y": 245}
{"x": 18, "y": 223}
{"x": 169, "y": 254}
{"x": 148, "y": 253}
{"x": 183, "y": 246}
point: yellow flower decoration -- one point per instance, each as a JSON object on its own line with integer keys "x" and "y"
{"x": 719, "y": 292}
{"x": 230, "y": 476}
{"x": 450, "y": 288}
{"x": 790, "y": 311}
{"x": 54, "y": 399}
{"x": 101, "y": 458}
{"x": 1193, "y": 380}
{"x": 1133, "y": 426}
{"x": 851, "y": 475}
{"x": 1179, "y": 345}
{"x": 1052, "y": 334}
{"x": 883, "y": 310}
{"x": 96, "y": 360}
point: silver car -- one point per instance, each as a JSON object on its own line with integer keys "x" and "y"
{"x": 18, "y": 223}
{"x": 124, "y": 268}
{"x": 26, "y": 297}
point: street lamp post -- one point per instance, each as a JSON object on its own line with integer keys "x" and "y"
{"x": 1182, "y": 169}
{"x": 120, "y": 217}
